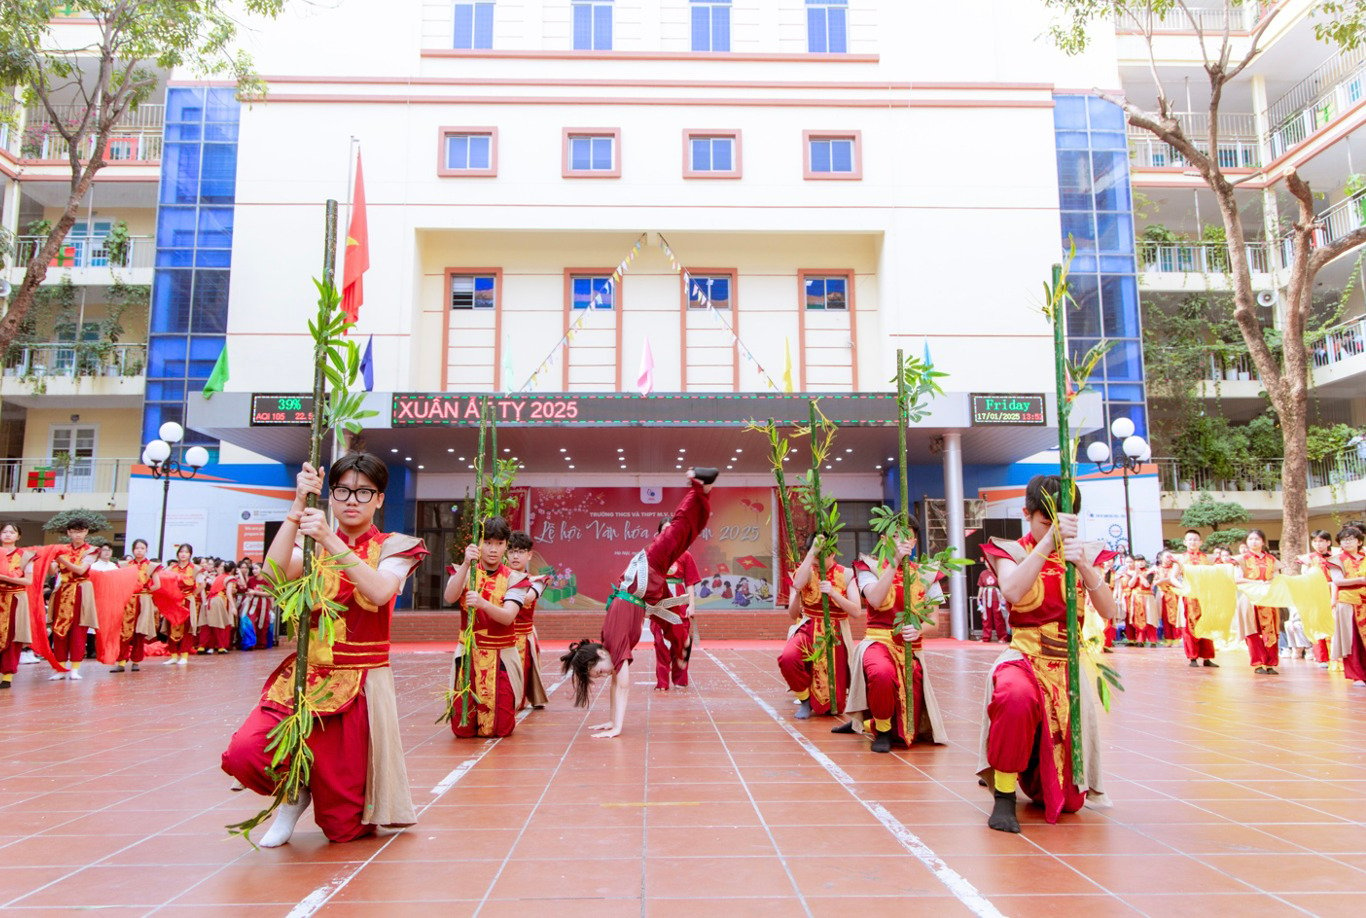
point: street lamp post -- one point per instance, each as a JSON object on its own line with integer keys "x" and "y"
{"x": 1134, "y": 451}
{"x": 157, "y": 456}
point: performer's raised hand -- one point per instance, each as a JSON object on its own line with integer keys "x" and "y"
{"x": 904, "y": 549}
{"x": 910, "y": 633}
{"x": 308, "y": 481}
{"x": 826, "y": 587}
{"x": 313, "y": 524}
{"x": 472, "y": 600}
{"x": 471, "y": 554}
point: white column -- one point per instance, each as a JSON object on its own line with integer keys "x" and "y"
{"x": 953, "y": 497}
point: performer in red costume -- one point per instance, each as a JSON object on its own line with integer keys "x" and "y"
{"x": 1198, "y": 649}
{"x": 643, "y": 589}
{"x": 877, "y": 693}
{"x": 219, "y": 622}
{"x": 71, "y": 610}
{"x": 673, "y": 643}
{"x": 180, "y": 634}
{"x": 139, "y": 616}
{"x": 1026, "y": 734}
{"x": 358, "y": 780}
{"x": 1143, "y": 608}
{"x": 992, "y": 606}
{"x": 497, "y": 663}
{"x": 807, "y": 676}
{"x": 520, "y": 545}
{"x": 1261, "y": 628}
{"x": 1350, "y": 617}
{"x": 16, "y": 573}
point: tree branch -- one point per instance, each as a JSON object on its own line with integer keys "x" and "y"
{"x": 1255, "y": 38}
{"x": 1322, "y": 255}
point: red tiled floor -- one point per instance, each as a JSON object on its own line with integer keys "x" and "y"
{"x": 706, "y": 805}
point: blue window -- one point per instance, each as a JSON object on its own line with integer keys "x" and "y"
{"x": 827, "y": 292}
{"x": 592, "y": 291}
{"x": 715, "y": 289}
{"x": 592, "y": 25}
{"x": 592, "y": 153}
{"x": 473, "y": 26}
{"x": 711, "y": 154}
{"x": 469, "y": 152}
{"x": 832, "y": 155}
{"x": 473, "y": 291}
{"x": 827, "y": 26}
{"x": 711, "y": 25}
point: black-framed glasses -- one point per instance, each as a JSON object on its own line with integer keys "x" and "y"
{"x": 362, "y": 495}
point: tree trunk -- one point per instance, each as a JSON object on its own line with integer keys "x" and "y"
{"x": 1294, "y": 480}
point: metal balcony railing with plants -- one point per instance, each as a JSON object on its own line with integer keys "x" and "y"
{"x": 1264, "y": 475}
{"x": 1221, "y": 367}
{"x": 91, "y": 252}
{"x": 62, "y": 475}
{"x": 136, "y": 138}
{"x": 1199, "y": 257}
{"x": 1332, "y": 224}
{"x": 1239, "y": 145}
{"x": 1208, "y": 17}
{"x": 70, "y": 359}
{"x": 1341, "y": 343}
{"x": 1316, "y": 101}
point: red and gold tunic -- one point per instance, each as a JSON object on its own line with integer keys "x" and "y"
{"x": 74, "y": 593}
{"x": 491, "y": 638}
{"x": 1354, "y": 566}
{"x": 336, "y": 673}
{"x": 1261, "y": 567}
{"x": 882, "y": 628}
{"x": 11, "y": 565}
{"x": 187, "y": 578}
{"x": 147, "y": 569}
{"x": 812, "y": 611}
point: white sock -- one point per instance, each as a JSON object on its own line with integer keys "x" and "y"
{"x": 282, "y": 827}
{"x": 76, "y": 673}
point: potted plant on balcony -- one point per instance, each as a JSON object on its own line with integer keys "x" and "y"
{"x": 1153, "y": 237}
{"x": 1355, "y": 185}
{"x": 1215, "y": 240}
{"x": 117, "y": 243}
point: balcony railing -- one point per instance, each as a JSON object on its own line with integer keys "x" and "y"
{"x": 63, "y": 475}
{"x": 89, "y": 252}
{"x": 1342, "y": 343}
{"x": 63, "y": 359}
{"x": 1199, "y": 257}
{"x": 136, "y": 138}
{"x": 1229, "y": 368}
{"x": 1334, "y": 86}
{"x": 1209, "y": 17}
{"x": 1332, "y": 224}
{"x": 1239, "y": 145}
{"x": 1263, "y": 474}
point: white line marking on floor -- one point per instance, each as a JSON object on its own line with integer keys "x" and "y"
{"x": 964, "y": 891}
{"x": 319, "y": 897}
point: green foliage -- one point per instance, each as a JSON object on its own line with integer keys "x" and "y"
{"x": 1325, "y": 441}
{"x": 97, "y": 521}
{"x": 1211, "y": 513}
{"x": 1264, "y": 440}
{"x": 116, "y": 243}
{"x": 1226, "y": 538}
{"x": 921, "y": 385}
{"x": 1341, "y": 23}
{"x": 917, "y": 612}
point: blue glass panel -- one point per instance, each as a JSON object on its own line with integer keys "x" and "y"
{"x": 483, "y": 25}
{"x": 815, "y": 31}
{"x": 207, "y": 348}
{"x": 175, "y": 258}
{"x": 220, "y": 133}
{"x": 166, "y": 391}
{"x": 464, "y": 26}
{"x": 175, "y": 227}
{"x": 835, "y": 293}
{"x": 215, "y": 227}
{"x": 173, "y": 133}
{"x": 602, "y": 27}
{"x": 1083, "y": 320}
{"x": 213, "y": 258}
{"x": 1114, "y": 232}
{"x": 166, "y": 356}
{"x": 701, "y": 28}
{"x": 180, "y": 173}
{"x": 457, "y": 152}
{"x": 1078, "y": 228}
{"x": 1116, "y": 264}
{"x": 720, "y": 28}
{"x": 1123, "y": 363}
{"x": 1077, "y": 349}
{"x": 185, "y": 104}
{"x": 815, "y": 293}
{"x": 219, "y": 181}
{"x": 1082, "y": 263}
{"x": 1125, "y": 392}
{"x": 842, "y": 155}
{"x": 1074, "y": 180}
{"x": 480, "y": 152}
{"x": 171, "y": 300}
{"x": 583, "y": 27}
{"x": 223, "y": 106}
{"x": 1106, "y": 140}
{"x": 1073, "y": 140}
{"x": 210, "y": 314}
{"x": 1135, "y": 413}
{"x": 722, "y": 152}
{"x": 602, "y": 154}
{"x": 579, "y": 153}
{"x": 701, "y": 155}
{"x": 1119, "y": 306}
{"x": 719, "y": 291}
{"x": 820, "y": 156}
{"x": 838, "y": 41}
{"x": 1069, "y": 113}
{"x": 198, "y": 371}
{"x": 1111, "y": 176}
{"x": 1105, "y": 116}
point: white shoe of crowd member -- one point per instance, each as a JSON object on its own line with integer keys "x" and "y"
{"x": 75, "y": 674}
{"x": 28, "y": 656}
{"x": 57, "y": 677}
{"x": 183, "y": 661}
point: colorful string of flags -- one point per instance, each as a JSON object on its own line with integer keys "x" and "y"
{"x": 694, "y": 289}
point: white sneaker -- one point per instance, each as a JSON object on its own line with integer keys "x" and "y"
{"x": 57, "y": 677}
{"x": 76, "y": 675}
{"x": 170, "y": 662}
{"x": 183, "y": 661}
{"x": 28, "y": 656}
{"x": 1359, "y": 682}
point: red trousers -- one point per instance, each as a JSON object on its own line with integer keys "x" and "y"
{"x": 9, "y": 658}
{"x": 504, "y": 711}
{"x": 1017, "y": 715}
{"x": 1196, "y": 648}
{"x": 993, "y": 621}
{"x": 1136, "y": 635}
{"x": 72, "y": 647}
{"x": 133, "y": 648}
{"x": 797, "y": 671}
{"x": 1265, "y": 651}
{"x": 341, "y": 751}
{"x": 214, "y": 638}
{"x": 180, "y": 639}
{"x": 1109, "y": 633}
{"x": 1354, "y": 661}
{"x": 671, "y": 647}
{"x": 886, "y": 697}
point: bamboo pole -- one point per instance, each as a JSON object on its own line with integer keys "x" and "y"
{"x": 315, "y": 443}
{"x": 1066, "y": 481}
{"x": 472, "y": 582}
{"x": 831, "y": 676}
{"x": 903, "y": 420}
{"x": 784, "y": 505}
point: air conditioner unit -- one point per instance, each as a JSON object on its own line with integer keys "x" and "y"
{"x": 1267, "y": 298}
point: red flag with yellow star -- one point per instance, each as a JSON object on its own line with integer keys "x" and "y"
{"x": 357, "y": 252}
